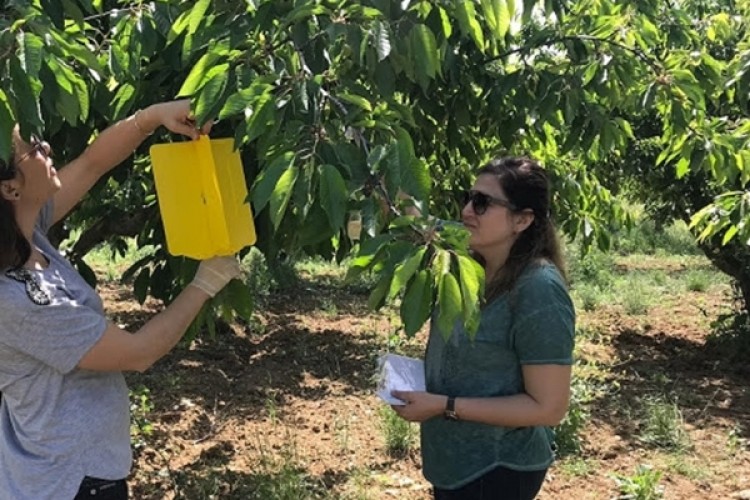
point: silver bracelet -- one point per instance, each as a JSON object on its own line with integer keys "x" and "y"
{"x": 135, "y": 122}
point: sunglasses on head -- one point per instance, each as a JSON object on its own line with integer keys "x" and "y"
{"x": 480, "y": 202}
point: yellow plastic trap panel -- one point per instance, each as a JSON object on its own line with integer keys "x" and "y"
{"x": 200, "y": 186}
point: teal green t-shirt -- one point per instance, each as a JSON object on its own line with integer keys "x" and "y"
{"x": 532, "y": 324}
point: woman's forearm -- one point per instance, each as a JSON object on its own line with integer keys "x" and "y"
{"x": 162, "y": 332}
{"x": 519, "y": 410}
{"x": 117, "y": 142}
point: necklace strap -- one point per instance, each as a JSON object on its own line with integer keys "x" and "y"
{"x": 33, "y": 289}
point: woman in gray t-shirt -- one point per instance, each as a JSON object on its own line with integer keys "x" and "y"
{"x": 491, "y": 399}
{"x": 64, "y": 423}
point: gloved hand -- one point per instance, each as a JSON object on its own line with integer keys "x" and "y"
{"x": 214, "y": 273}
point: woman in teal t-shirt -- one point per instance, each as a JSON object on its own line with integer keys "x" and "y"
{"x": 491, "y": 399}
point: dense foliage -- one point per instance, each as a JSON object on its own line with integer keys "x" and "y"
{"x": 336, "y": 105}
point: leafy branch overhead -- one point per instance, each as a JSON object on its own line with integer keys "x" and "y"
{"x": 331, "y": 100}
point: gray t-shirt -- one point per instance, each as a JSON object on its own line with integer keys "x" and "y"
{"x": 533, "y": 324}
{"x": 57, "y": 423}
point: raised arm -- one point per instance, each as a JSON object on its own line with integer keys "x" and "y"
{"x": 119, "y": 350}
{"x": 116, "y": 143}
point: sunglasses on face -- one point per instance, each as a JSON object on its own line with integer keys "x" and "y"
{"x": 480, "y": 202}
{"x": 37, "y": 146}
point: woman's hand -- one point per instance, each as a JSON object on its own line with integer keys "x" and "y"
{"x": 175, "y": 116}
{"x": 419, "y": 405}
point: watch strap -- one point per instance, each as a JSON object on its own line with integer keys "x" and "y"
{"x": 450, "y": 409}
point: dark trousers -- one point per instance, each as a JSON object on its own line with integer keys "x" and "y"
{"x": 498, "y": 484}
{"x": 102, "y": 489}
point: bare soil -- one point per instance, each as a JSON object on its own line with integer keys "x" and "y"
{"x": 289, "y": 397}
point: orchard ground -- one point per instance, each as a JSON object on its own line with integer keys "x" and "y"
{"x": 282, "y": 407}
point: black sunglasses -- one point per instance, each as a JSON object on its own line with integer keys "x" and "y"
{"x": 480, "y": 202}
{"x": 37, "y": 146}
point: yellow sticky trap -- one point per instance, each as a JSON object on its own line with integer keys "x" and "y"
{"x": 202, "y": 196}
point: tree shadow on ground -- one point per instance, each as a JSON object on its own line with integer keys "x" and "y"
{"x": 210, "y": 477}
{"x": 250, "y": 370}
{"x": 704, "y": 383}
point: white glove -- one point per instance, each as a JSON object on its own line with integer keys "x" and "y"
{"x": 214, "y": 273}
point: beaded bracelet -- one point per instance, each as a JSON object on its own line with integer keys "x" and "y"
{"x": 135, "y": 122}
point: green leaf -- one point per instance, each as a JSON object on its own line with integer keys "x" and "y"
{"x": 281, "y": 195}
{"x": 731, "y": 233}
{"x": 197, "y": 13}
{"x": 261, "y": 118}
{"x": 467, "y": 21}
{"x": 61, "y": 46}
{"x": 333, "y": 195}
{"x": 357, "y": 100}
{"x": 404, "y": 271}
{"x": 123, "y": 100}
{"x": 471, "y": 281}
{"x": 382, "y": 40}
{"x": 196, "y": 76}
{"x": 26, "y": 90}
{"x": 240, "y": 101}
{"x": 424, "y": 53}
{"x": 6, "y": 127}
{"x": 414, "y": 174}
{"x": 211, "y": 92}
{"x": 141, "y": 285}
{"x": 417, "y": 304}
{"x": 31, "y": 53}
{"x": 304, "y": 11}
{"x": 377, "y": 297}
{"x": 445, "y": 22}
{"x": 370, "y": 250}
{"x": 241, "y": 299}
{"x": 269, "y": 178}
{"x": 449, "y": 304}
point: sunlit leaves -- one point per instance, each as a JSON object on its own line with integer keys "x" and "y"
{"x": 498, "y": 17}
{"x": 31, "y": 52}
{"x": 467, "y": 20}
{"x": 382, "y": 40}
{"x": 424, "y": 54}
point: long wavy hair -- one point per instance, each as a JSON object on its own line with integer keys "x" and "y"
{"x": 526, "y": 185}
{"x": 15, "y": 249}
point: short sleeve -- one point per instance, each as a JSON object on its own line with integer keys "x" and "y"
{"x": 543, "y": 319}
{"x": 57, "y": 335}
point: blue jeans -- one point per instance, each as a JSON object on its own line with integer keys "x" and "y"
{"x": 498, "y": 484}
{"x": 93, "y": 488}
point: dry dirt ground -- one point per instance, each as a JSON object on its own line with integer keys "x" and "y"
{"x": 283, "y": 407}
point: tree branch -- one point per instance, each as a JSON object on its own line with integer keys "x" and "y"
{"x": 653, "y": 63}
{"x": 128, "y": 224}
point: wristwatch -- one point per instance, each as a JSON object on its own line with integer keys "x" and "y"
{"x": 450, "y": 409}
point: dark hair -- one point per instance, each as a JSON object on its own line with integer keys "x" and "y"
{"x": 526, "y": 185}
{"x": 15, "y": 249}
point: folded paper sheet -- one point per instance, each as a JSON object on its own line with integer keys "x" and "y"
{"x": 399, "y": 373}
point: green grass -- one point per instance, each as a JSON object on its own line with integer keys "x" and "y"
{"x": 642, "y": 485}
{"x": 400, "y": 435}
{"x": 663, "y": 425}
{"x": 109, "y": 262}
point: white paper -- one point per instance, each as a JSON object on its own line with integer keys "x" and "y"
{"x": 399, "y": 373}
